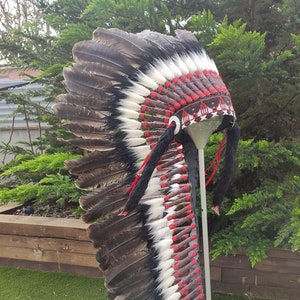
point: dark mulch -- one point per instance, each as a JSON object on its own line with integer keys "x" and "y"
{"x": 69, "y": 210}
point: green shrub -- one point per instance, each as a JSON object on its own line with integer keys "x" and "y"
{"x": 265, "y": 209}
{"x": 41, "y": 179}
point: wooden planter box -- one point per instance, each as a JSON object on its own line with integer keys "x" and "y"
{"x": 44, "y": 243}
{"x": 62, "y": 245}
{"x": 276, "y": 277}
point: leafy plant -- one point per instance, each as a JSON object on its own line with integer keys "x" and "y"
{"x": 42, "y": 179}
{"x": 266, "y": 214}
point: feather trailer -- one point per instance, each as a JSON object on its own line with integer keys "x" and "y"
{"x": 126, "y": 43}
{"x": 138, "y": 262}
{"x": 78, "y": 114}
{"x": 86, "y": 131}
{"x": 104, "y": 207}
{"x": 91, "y": 144}
{"x": 91, "y": 52}
{"x": 83, "y": 83}
{"x": 122, "y": 244}
{"x": 132, "y": 99}
{"x": 95, "y": 160}
{"x": 167, "y": 45}
{"x": 96, "y": 169}
{"x": 93, "y": 198}
{"x": 103, "y": 231}
{"x": 96, "y": 103}
{"x": 101, "y": 177}
{"x": 134, "y": 290}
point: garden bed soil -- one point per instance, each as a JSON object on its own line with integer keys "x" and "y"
{"x": 42, "y": 210}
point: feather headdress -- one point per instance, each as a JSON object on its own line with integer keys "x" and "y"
{"x": 132, "y": 99}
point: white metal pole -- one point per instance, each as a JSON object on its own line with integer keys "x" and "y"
{"x": 204, "y": 223}
{"x": 200, "y": 132}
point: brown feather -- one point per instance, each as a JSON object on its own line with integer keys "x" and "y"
{"x": 126, "y": 43}
{"x": 87, "y": 131}
{"x": 84, "y": 84}
{"x": 91, "y": 145}
{"x": 139, "y": 288}
{"x": 78, "y": 114}
{"x": 89, "y": 200}
{"x": 92, "y": 51}
{"x": 95, "y": 103}
{"x": 89, "y": 162}
{"x": 101, "y": 177}
{"x": 123, "y": 244}
{"x": 135, "y": 262}
{"x": 104, "y": 207}
{"x": 101, "y": 232}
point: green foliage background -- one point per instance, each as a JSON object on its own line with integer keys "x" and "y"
{"x": 256, "y": 45}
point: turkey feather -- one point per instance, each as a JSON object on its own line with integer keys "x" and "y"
{"x": 125, "y": 43}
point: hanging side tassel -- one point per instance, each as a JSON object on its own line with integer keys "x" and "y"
{"x": 215, "y": 163}
{"x": 138, "y": 175}
{"x": 232, "y": 139}
{"x": 140, "y": 184}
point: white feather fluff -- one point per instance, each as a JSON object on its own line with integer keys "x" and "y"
{"x": 147, "y": 81}
{"x": 174, "y": 187}
{"x": 175, "y": 296}
{"x": 131, "y": 134}
{"x": 138, "y": 89}
{"x": 155, "y": 202}
{"x": 180, "y": 64}
{"x": 166, "y": 283}
{"x": 158, "y": 224}
{"x": 134, "y": 97}
{"x": 141, "y": 152}
{"x": 155, "y": 74}
{"x": 176, "y": 71}
{"x": 128, "y": 113}
{"x": 166, "y": 255}
{"x": 155, "y": 213}
{"x": 129, "y": 123}
{"x": 126, "y": 103}
{"x": 171, "y": 292}
{"x": 164, "y": 275}
{"x": 204, "y": 62}
{"x": 165, "y": 265}
{"x": 189, "y": 62}
{"x": 164, "y": 69}
{"x": 156, "y": 208}
{"x": 132, "y": 142}
{"x": 153, "y": 186}
{"x": 163, "y": 245}
{"x": 161, "y": 234}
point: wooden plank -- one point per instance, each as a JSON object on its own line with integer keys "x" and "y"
{"x": 282, "y": 253}
{"x": 278, "y": 265}
{"x": 45, "y": 221}
{"x": 230, "y": 288}
{"x": 274, "y": 292}
{"x": 45, "y": 255}
{"x": 62, "y": 245}
{"x": 272, "y": 279}
{"x": 239, "y": 262}
{"x": 43, "y": 226}
{"x": 215, "y": 273}
{"x": 243, "y": 277}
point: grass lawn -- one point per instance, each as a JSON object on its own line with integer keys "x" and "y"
{"x": 20, "y": 284}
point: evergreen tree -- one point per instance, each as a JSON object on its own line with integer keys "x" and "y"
{"x": 256, "y": 45}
